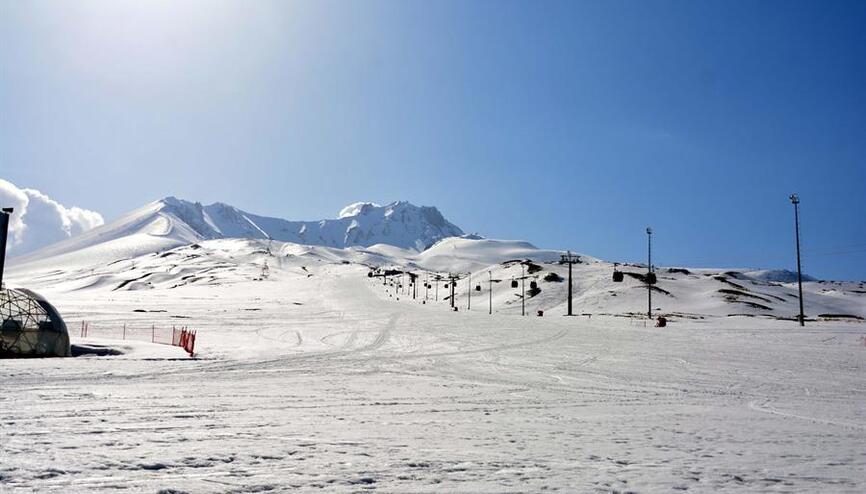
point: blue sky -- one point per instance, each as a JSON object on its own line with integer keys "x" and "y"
{"x": 569, "y": 124}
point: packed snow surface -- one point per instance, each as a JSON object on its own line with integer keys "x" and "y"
{"x": 311, "y": 375}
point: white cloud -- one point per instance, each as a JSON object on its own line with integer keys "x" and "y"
{"x": 39, "y": 220}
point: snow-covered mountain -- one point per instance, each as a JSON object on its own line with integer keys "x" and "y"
{"x": 172, "y": 222}
{"x": 400, "y": 224}
{"x": 173, "y": 243}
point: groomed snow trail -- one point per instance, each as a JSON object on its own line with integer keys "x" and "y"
{"x": 326, "y": 382}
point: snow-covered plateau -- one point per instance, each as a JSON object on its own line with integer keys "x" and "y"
{"x": 312, "y": 375}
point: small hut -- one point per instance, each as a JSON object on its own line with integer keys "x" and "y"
{"x": 30, "y": 326}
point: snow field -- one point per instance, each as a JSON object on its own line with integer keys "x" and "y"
{"x": 316, "y": 379}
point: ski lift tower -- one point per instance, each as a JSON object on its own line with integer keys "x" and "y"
{"x": 469, "y": 291}
{"x": 413, "y": 280}
{"x": 523, "y": 288}
{"x": 490, "y": 291}
{"x": 452, "y": 278}
{"x": 571, "y": 260}
{"x": 650, "y": 275}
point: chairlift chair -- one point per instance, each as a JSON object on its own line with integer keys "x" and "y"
{"x": 617, "y": 274}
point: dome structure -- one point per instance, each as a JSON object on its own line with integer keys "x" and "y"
{"x": 30, "y": 326}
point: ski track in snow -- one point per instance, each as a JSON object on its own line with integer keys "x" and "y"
{"x": 353, "y": 391}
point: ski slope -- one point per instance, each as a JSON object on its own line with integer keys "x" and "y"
{"x": 312, "y": 376}
{"x": 480, "y": 264}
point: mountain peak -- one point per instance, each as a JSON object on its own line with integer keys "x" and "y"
{"x": 357, "y": 208}
{"x": 170, "y": 201}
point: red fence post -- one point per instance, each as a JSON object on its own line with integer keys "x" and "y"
{"x": 191, "y": 344}
{"x": 152, "y": 333}
{"x": 124, "y": 331}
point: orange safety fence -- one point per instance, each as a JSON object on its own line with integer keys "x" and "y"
{"x": 182, "y": 337}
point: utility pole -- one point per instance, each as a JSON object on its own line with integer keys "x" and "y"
{"x": 436, "y": 279}
{"x": 795, "y": 200}
{"x": 490, "y": 290}
{"x": 570, "y": 259}
{"x": 649, "y": 263}
{"x": 523, "y": 289}
{"x": 5, "y": 213}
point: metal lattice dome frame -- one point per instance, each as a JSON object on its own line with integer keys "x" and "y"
{"x": 30, "y": 326}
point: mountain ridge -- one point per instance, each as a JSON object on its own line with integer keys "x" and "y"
{"x": 170, "y": 222}
{"x": 400, "y": 223}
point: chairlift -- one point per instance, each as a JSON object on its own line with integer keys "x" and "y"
{"x": 533, "y": 285}
{"x": 651, "y": 278}
{"x": 617, "y": 274}
{"x": 477, "y": 288}
{"x": 513, "y": 283}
